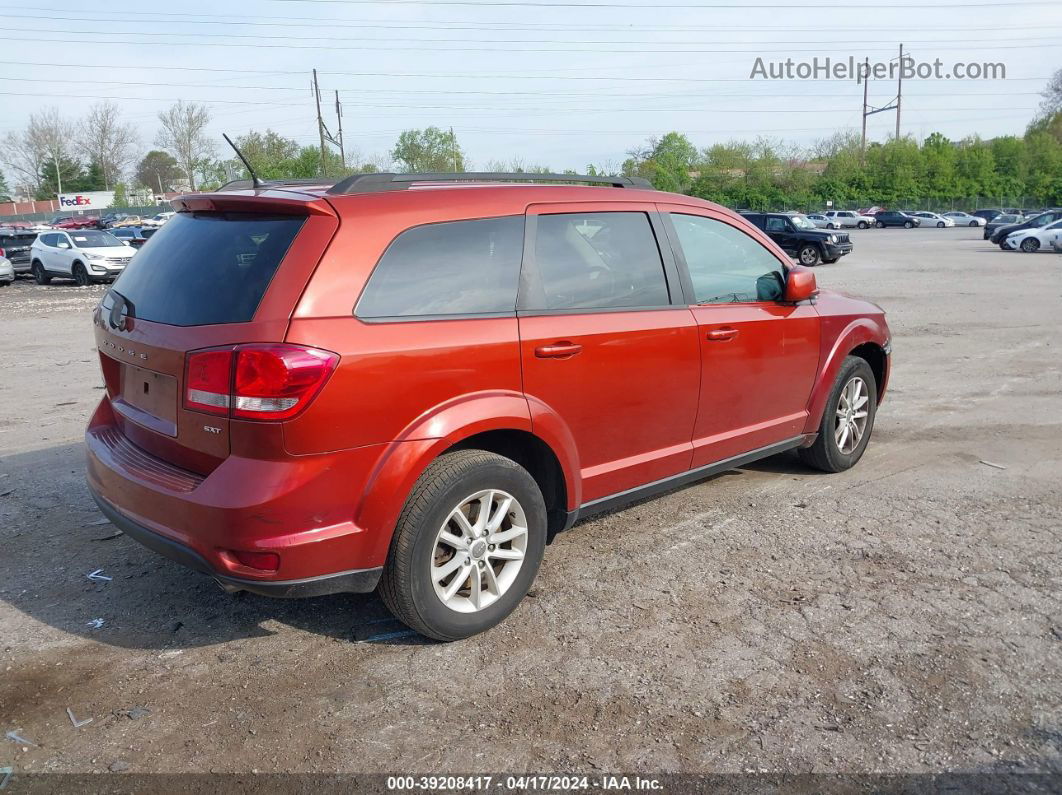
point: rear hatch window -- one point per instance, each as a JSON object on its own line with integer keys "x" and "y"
{"x": 16, "y": 245}
{"x": 207, "y": 268}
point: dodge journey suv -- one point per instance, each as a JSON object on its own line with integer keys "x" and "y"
{"x": 414, "y": 382}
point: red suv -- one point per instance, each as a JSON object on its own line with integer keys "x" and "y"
{"x": 413, "y": 382}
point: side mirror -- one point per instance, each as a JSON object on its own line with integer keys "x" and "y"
{"x": 800, "y": 285}
{"x": 63, "y": 244}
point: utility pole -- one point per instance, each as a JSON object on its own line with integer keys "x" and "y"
{"x": 866, "y": 86}
{"x": 453, "y": 148}
{"x": 899, "y": 93}
{"x": 339, "y": 118}
{"x": 870, "y": 110}
{"x": 320, "y": 121}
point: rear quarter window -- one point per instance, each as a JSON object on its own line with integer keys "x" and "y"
{"x": 207, "y": 268}
{"x": 449, "y": 268}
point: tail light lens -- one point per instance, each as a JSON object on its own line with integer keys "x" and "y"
{"x": 258, "y": 381}
{"x": 208, "y": 381}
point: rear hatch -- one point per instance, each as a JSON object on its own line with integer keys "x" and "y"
{"x": 15, "y": 246}
{"x": 225, "y": 271}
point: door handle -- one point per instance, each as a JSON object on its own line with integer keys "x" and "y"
{"x": 722, "y": 334}
{"x": 558, "y": 350}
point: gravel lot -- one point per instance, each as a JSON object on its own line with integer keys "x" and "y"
{"x": 901, "y": 617}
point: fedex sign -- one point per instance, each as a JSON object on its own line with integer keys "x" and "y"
{"x": 90, "y": 200}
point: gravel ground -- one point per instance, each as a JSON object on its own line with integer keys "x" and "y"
{"x": 902, "y": 617}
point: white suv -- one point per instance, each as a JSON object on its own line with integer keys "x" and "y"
{"x": 84, "y": 255}
{"x": 847, "y": 219}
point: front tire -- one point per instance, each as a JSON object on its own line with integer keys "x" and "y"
{"x": 940, "y": 224}
{"x": 908, "y": 225}
{"x": 39, "y": 274}
{"x": 467, "y": 546}
{"x": 847, "y": 420}
{"x": 879, "y": 225}
{"x": 973, "y": 223}
{"x": 862, "y": 224}
{"x": 1030, "y": 245}
{"x": 81, "y": 277}
{"x": 808, "y": 255}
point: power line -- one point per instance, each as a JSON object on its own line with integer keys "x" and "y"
{"x": 436, "y": 92}
{"x": 328, "y": 24}
{"x": 459, "y": 50}
{"x": 420, "y": 106}
{"x": 440, "y": 75}
{"x": 706, "y": 6}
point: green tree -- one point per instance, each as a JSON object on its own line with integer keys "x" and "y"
{"x": 5, "y": 192}
{"x": 430, "y": 149}
{"x": 121, "y": 198}
{"x": 269, "y": 153}
{"x": 69, "y": 171}
{"x": 667, "y": 162}
{"x": 939, "y": 155}
{"x": 158, "y": 171}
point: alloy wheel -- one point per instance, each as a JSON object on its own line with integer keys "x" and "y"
{"x": 479, "y": 550}
{"x": 851, "y": 419}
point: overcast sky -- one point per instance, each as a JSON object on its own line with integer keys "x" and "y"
{"x": 556, "y": 83}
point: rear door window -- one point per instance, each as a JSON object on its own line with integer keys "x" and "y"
{"x": 595, "y": 261}
{"x": 207, "y": 268}
{"x": 449, "y": 268}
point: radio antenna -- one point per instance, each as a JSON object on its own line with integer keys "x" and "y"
{"x": 255, "y": 182}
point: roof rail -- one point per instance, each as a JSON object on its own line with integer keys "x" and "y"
{"x": 244, "y": 184}
{"x": 372, "y": 183}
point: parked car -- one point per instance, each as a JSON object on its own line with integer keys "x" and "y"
{"x": 158, "y": 220}
{"x": 1000, "y": 235}
{"x": 959, "y": 218}
{"x": 127, "y": 220}
{"x": 136, "y": 236}
{"x": 15, "y": 244}
{"x": 1035, "y": 238}
{"x": 7, "y": 271}
{"x": 895, "y": 218}
{"x": 798, "y": 237}
{"x": 84, "y": 255}
{"x": 73, "y": 222}
{"x": 932, "y": 219}
{"x": 988, "y": 214}
{"x": 848, "y": 219}
{"x": 820, "y": 221}
{"x": 236, "y": 434}
{"x": 1004, "y": 219}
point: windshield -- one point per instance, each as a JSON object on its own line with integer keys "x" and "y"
{"x": 93, "y": 239}
{"x": 801, "y": 222}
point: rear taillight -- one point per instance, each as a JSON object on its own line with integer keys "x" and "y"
{"x": 208, "y": 381}
{"x": 257, "y": 381}
{"x": 2, "y": 253}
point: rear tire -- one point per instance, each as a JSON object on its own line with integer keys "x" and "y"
{"x": 81, "y": 276}
{"x": 40, "y": 274}
{"x": 833, "y": 450}
{"x": 462, "y": 482}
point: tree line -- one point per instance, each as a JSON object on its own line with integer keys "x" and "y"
{"x": 99, "y": 152}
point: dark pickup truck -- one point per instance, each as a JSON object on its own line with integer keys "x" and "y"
{"x": 801, "y": 239}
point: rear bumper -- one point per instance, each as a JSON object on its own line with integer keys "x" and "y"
{"x": 300, "y": 508}
{"x": 353, "y": 581}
